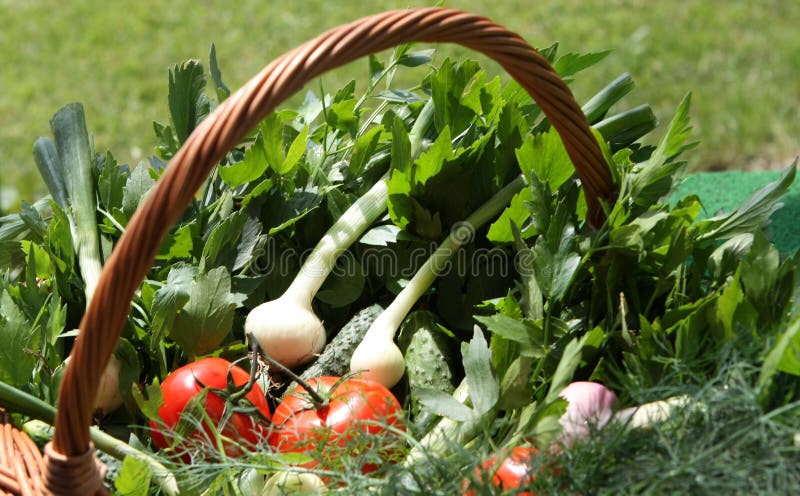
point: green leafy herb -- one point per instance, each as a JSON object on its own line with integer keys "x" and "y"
{"x": 207, "y": 317}
{"x": 188, "y": 105}
{"x": 134, "y": 477}
{"x": 17, "y": 359}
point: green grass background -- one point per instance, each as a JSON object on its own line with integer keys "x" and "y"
{"x": 740, "y": 58}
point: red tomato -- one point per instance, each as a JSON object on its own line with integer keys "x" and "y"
{"x": 355, "y": 406}
{"x": 512, "y": 474}
{"x": 184, "y": 383}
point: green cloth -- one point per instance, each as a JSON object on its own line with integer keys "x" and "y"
{"x": 724, "y": 191}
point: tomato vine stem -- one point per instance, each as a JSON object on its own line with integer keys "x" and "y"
{"x": 318, "y": 399}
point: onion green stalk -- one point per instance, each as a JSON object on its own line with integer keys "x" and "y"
{"x": 67, "y": 168}
{"x": 597, "y": 106}
{"x": 377, "y": 357}
{"x": 628, "y": 126}
{"x": 625, "y": 127}
{"x": 76, "y": 161}
{"x": 287, "y": 328}
{"x": 46, "y": 158}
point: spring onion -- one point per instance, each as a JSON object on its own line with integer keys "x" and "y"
{"x": 67, "y": 167}
{"x": 377, "y": 357}
{"x": 287, "y": 328}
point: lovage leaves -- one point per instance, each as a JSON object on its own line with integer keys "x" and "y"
{"x": 207, "y": 317}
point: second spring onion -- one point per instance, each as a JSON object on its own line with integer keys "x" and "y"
{"x": 377, "y": 357}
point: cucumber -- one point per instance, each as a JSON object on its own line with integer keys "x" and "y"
{"x": 335, "y": 358}
{"x": 446, "y": 433}
{"x": 432, "y": 358}
{"x": 39, "y": 431}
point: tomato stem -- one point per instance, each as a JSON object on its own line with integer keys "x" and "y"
{"x": 241, "y": 393}
{"x": 319, "y": 400}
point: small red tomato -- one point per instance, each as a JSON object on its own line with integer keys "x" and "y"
{"x": 184, "y": 383}
{"x": 355, "y": 406}
{"x": 512, "y": 474}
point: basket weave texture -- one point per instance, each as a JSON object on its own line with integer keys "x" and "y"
{"x": 21, "y": 464}
{"x": 70, "y": 451}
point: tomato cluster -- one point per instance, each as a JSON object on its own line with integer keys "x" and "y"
{"x": 354, "y": 415}
{"x": 186, "y": 382}
{"x": 337, "y": 419}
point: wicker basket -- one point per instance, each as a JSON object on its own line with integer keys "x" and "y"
{"x": 70, "y": 465}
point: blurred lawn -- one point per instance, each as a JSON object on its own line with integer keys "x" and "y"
{"x": 740, "y": 58}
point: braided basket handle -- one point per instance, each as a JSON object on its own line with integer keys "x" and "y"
{"x": 238, "y": 114}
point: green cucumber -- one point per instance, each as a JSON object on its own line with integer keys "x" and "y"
{"x": 40, "y": 432}
{"x": 432, "y": 358}
{"x": 335, "y": 358}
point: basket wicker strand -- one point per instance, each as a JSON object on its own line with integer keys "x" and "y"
{"x": 21, "y": 463}
{"x": 70, "y": 451}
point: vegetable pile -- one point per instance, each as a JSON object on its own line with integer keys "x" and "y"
{"x": 397, "y": 291}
